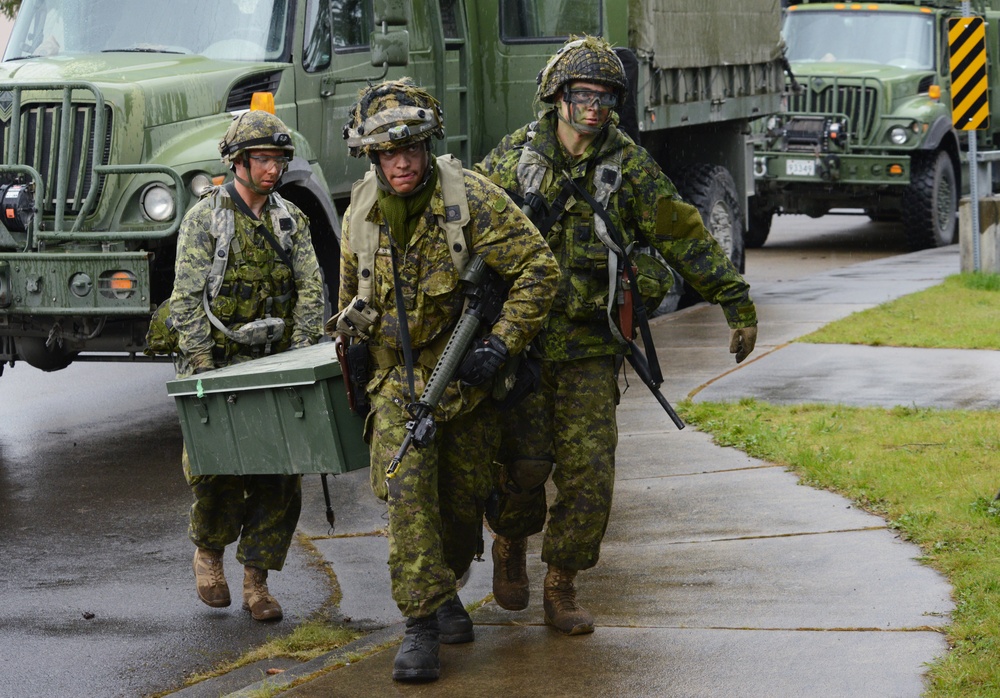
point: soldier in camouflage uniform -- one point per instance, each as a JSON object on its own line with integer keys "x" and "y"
{"x": 436, "y": 497}
{"x": 568, "y": 430}
{"x": 249, "y": 282}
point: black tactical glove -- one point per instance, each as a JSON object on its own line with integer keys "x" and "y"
{"x": 202, "y": 369}
{"x": 482, "y": 361}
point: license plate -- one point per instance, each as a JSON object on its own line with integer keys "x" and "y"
{"x": 800, "y": 168}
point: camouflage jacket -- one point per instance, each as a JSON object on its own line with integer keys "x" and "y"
{"x": 646, "y": 205}
{"x": 196, "y": 246}
{"x": 433, "y": 297}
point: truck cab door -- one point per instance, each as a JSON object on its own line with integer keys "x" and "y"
{"x": 335, "y": 61}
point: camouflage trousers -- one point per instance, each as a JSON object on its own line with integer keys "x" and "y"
{"x": 570, "y": 422}
{"x": 259, "y": 510}
{"x": 436, "y": 501}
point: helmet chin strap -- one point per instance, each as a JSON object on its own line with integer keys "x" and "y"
{"x": 249, "y": 183}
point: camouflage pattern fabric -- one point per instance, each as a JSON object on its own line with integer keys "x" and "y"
{"x": 195, "y": 250}
{"x": 261, "y": 511}
{"x": 392, "y": 114}
{"x": 436, "y": 500}
{"x": 577, "y": 332}
{"x": 507, "y": 242}
{"x": 254, "y": 130}
{"x": 577, "y": 326}
{"x": 428, "y": 549}
{"x": 589, "y": 59}
{"x": 570, "y": 421}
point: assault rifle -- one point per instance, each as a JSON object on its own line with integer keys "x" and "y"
{"x": 486, "y": 292}
{"x": 647, "y": 370}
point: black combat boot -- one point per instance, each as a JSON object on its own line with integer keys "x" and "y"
{"x": 417, "y": 658}
{"x": 454, "y": 623}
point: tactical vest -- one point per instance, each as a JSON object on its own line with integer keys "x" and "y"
{"x": 364, "y": 235}
{"x": 247, "y": 281}
{"x": 534, "y": 171}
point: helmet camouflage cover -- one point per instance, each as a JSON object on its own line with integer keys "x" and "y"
{"x": 255, "y": 130}
{"x": 390, "y": 115}
{"x": 588, "y": 59}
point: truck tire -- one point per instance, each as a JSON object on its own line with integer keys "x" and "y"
{"x": 711, "y": 189}
{"x": 930, "y": 203}
{"x": 758, "y": 225}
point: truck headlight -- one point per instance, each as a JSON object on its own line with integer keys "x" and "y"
{"x": 898, "y": 135}
{"x": 157, "y": 203}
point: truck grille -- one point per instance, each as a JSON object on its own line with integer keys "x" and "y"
{"x": 38, "y": 147}
{"x": 859, "y": 103}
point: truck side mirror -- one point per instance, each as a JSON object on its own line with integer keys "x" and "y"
{"x": 390, "y": 47}
{"x": 392, "y": 12}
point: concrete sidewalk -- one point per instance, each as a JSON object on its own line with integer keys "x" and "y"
{"x": 720, "y": 574}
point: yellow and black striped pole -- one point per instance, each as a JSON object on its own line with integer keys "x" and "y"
{"x": 970, "y": 106}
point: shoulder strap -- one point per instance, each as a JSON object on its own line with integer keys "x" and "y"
{"x": 223, "y": 228}
{"x": 261, "y": 228}
{"x": 451, "y": 174}
{"x": 363, "y": 233}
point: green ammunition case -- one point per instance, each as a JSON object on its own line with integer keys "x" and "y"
{"x": 283, "y": 414}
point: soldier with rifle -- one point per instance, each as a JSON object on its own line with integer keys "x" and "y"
{"x": 597, "y": 197}
{"x": 421, "y": 240}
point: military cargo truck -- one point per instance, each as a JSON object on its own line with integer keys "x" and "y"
{"x": 111, "y": 112}
{"x": 869, "y": 119}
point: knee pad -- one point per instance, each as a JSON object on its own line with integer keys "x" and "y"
{"x": 526, "y": 475}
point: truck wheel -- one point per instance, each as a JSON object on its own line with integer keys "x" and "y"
{"x": 711, "y": 189}
{"x": 930, "y": 202}
{"x": 758, "y": 225}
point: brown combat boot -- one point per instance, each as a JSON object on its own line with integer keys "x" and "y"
{"x": 210, "y": 578}
{"x": 562, "y": 611}
{"x": 256, "y": 598}
{"x": 510, "y": 575}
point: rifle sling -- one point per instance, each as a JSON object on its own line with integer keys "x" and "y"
{"x": 261, "y": 228}
{"x": 404, "y": 325}
{"x": 639, "y": 309}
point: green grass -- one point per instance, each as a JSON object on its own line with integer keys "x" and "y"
{"x": 932, "y": 474}
{"x": 307, "y": 641}
{"x": 961, "y": 313}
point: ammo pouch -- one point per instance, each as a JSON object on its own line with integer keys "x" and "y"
{"x": 259, "y": 333}
{"x": 653, "y": 277}
{"x": 161, "y": 337}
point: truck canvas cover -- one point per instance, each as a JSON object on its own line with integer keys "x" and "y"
{"x": 685, "y": 34}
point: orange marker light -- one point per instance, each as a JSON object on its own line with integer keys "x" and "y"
{"x": 934, "y": 92}
{"x": 263, "y": 101}
{"x": 122, "y": 281}
{"x": 895, "y": 169}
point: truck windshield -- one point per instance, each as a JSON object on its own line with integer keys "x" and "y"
{"x": 240, "y": 30}
{"x": 887, "y": 38}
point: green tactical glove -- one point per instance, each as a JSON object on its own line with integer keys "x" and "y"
{"x": 742, "y": 341}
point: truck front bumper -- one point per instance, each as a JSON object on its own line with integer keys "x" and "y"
{"x": 777, "y": 169}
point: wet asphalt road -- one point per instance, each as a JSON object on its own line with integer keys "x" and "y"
{"x": 96, "y": 585}
{"x": 96, "y": 591}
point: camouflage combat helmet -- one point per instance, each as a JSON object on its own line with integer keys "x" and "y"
{"x": 589, "y": 59}
{"x": 254, "y": 130}
{"x": 391, "y": 115}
